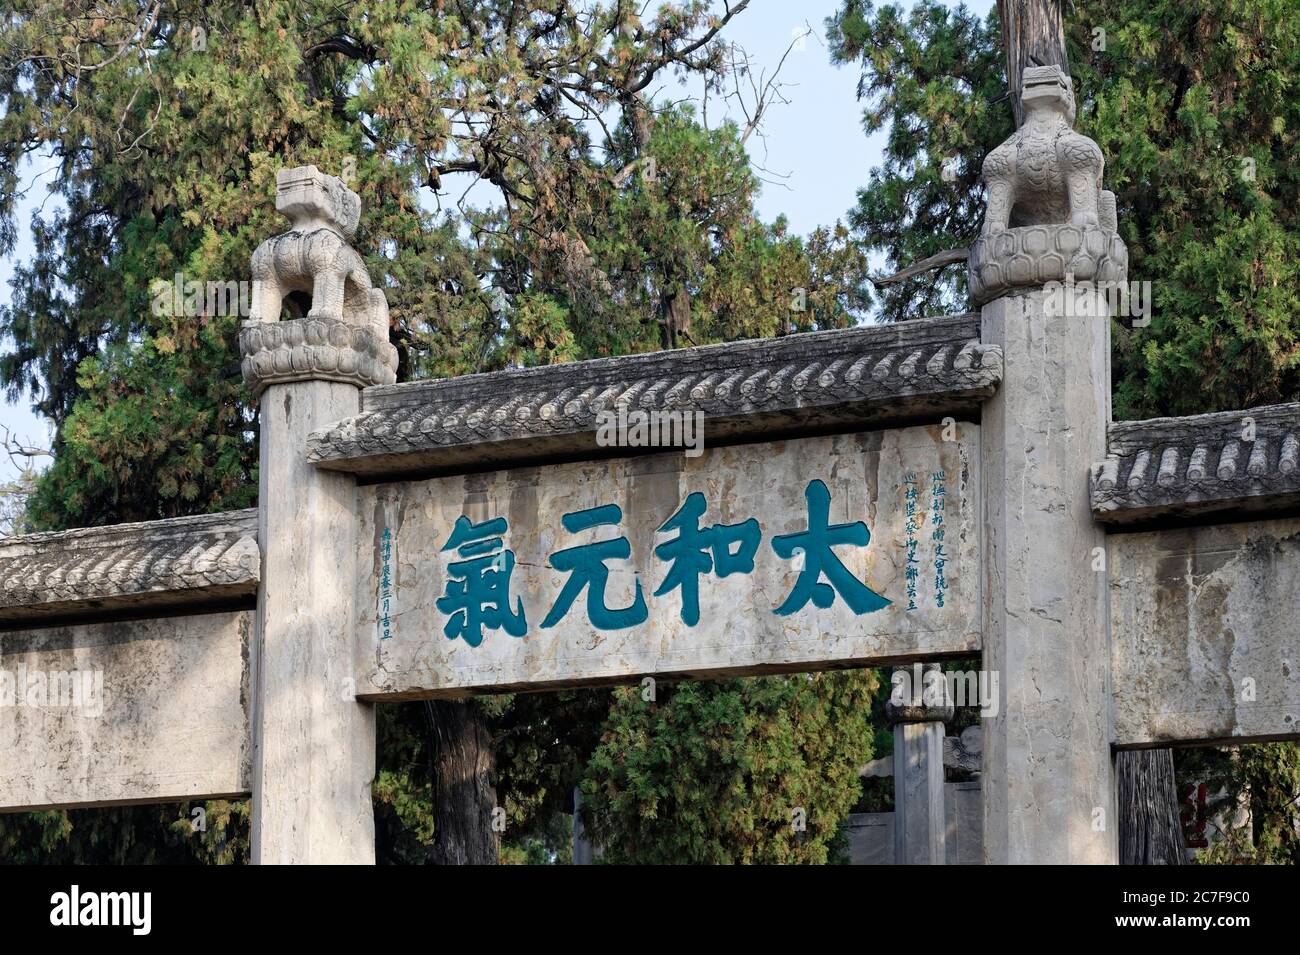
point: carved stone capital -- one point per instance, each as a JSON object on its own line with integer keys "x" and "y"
{"x": 1033, "y": 256}
{"x": 918, "y": 694}
{"x": 315, "y": 349}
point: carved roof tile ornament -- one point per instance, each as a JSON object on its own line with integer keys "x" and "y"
{"x": 179, "y": 561}
{"x": 344, "y": 335}
{"x": 800, "y": 382}
{"x": 1048, "y": 219}
{"x": 1233, "y": 461}
{"x": 961, "y": 752}
{"x": 965, "y": 751}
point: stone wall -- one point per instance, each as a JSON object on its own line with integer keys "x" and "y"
{"x": 871, "y": 834}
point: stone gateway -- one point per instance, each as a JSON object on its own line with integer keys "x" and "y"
{"x": 949, "y": 487}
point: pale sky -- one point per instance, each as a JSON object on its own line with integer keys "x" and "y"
{"x": 814, "y": 152}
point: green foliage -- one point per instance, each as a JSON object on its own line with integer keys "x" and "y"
{"x": 932, "y": 79}
{"x": 166, "y": 145}
{"x": 1264, "y": 778}
{"x": 684, "y": 221}
{"x": 719, "y": 772}
{"x": 403, "y": 786}
{"x": 209, "y": 833}
{"x": 553, "y": 845}
{"x": 1193, "y": 106}
{"x": 159, "y": 431}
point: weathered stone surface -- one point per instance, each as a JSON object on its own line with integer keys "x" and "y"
{"x": 795, "y": 385}
{"x": 738, "y": 632}
{"x": 963, "y": 752}
{"x": 311, "y": 200}
{"x": 169, "y": 721}
{"x": 964, "y": 809}
{"x": 959, "y": 752}
{"x": 1048, "y": 219}
{"x": 871, "y": 834}
{"x": 315, "y": 348}
{"x": 870, "y": 837}
{"x": 126, "y": 567}
{"x": 315, "y": 744}
{"x": 917, "y": 719}
{"x": 1035, "y": 256}
{"x": 920, "y": 827}
{"x": 1049, "y": 793}
{"x": 919, "y": 694}
{"x": 1225, "y": 464}
{"x": 1204, "y": 633}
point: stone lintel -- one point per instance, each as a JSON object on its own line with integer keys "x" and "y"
{"x": 1204, "y": 641}
{"x": 118, "y": 713}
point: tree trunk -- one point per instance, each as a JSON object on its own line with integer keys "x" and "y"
{"x": 464, "y": 793}
{"x": 1033, "y": 34}
{"x": 1149, "y": 830}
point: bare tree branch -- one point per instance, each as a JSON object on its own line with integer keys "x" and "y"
{"x": 21, "y": 454}
{"x": 939, "y": 261}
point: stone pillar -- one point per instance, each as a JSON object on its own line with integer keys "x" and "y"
{"x": 313, "y": 743}
{"x": 1047, "y": 256}
{"x": 1048, "y": 777}
{"x": 920, "y": 823}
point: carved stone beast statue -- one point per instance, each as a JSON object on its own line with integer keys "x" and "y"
{"x": 1048, "y": 219}
{"x": 314, "y": 257}
{"x": 1046, "y": 173}
{"x": 344, "y": 334}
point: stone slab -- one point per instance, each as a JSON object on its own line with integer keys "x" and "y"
{"x": 1195, "y": 614}
{"x": 160, "y": 712}
{"x": 870, "y": 837}
{"x": 738, "y": 631}
{"x": 871, "y": 834}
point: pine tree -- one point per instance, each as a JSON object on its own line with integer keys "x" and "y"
{"x": 1193, "y": 107}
